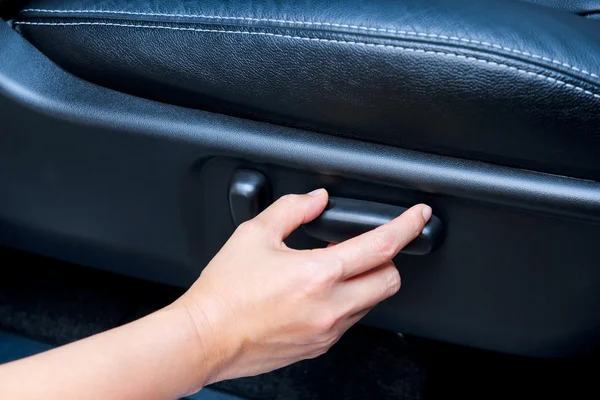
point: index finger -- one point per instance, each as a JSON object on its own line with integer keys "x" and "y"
{"x": 376, "y": 247}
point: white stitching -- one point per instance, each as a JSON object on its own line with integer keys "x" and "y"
{"x": 367, "y": 28}
{"x": 354, "y": 43}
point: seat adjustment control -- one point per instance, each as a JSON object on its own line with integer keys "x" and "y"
{"x": 346, "y": 218}
{"x": 249, "y": 194}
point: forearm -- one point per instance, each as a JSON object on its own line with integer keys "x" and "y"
{"x": 156, "y": 357}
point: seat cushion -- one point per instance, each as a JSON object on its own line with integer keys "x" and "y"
{"x": 502, "y": 81}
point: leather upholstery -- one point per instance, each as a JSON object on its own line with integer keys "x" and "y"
{"x": 581, "y": 7}
{"x": 507, "y": 82}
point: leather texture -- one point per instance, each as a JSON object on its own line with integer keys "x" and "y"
{"x": 581, "y": 7}
{"x": 507, "y": 82}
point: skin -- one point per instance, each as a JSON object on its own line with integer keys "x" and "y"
{"x": 256, "y": 307}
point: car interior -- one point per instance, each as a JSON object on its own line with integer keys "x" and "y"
{"x": 136, "y": 135}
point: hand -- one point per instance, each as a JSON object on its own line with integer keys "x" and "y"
{"x": 256, "y": 307}
{"x": 260, "y": 305}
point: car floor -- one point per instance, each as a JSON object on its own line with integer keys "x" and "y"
{"x": 45, "y": 303}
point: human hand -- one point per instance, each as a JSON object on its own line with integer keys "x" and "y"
{"x": 257, "y": 306}
{"x": 260, "y": 305}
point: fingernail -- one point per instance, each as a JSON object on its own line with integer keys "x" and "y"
{"x": 426, "y": 213}
{"x": 317, "y": 192}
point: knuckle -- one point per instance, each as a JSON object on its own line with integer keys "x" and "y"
{"x": 386, "y": 243}
{"x": 319, "y": 276}
{"x": 311, "y": 282}
{"x": 311, "y": 267}
{"x": 243, "y": 228}
{"x": 324, "y": 322}
{"x": 251, "y": 228}
{"x": 311, "y": 272}
{"x": 394, "y": 281}
{"x": 323, "y": 280}
{"x": 332, "y": 271}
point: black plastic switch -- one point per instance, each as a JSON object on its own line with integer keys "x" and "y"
{"x": 249, "y": 194}
{"x": 346, "y": 218}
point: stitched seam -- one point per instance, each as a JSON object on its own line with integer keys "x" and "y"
{"x": 354, "y": 43}
{"x": 360, "y": 27}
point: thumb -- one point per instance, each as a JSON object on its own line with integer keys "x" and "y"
{"x": 292, "y": 210}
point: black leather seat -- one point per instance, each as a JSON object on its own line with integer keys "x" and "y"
{"x": 503, "y": 81}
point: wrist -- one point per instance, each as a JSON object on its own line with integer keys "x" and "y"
{"x": 213, "y": 348}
